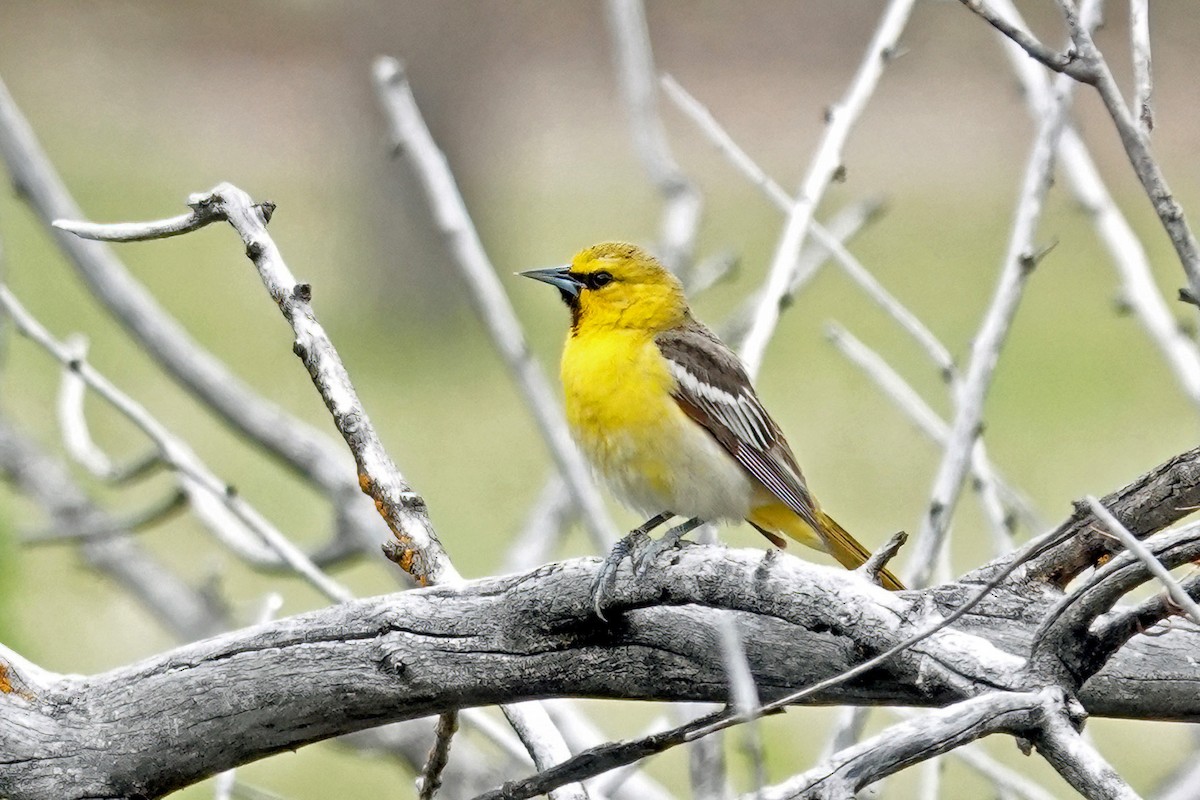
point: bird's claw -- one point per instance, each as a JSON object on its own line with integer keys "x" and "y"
{"x": 629, "y": 546}
{"x": 642, "y": 552}
{"x": 671, "y": 540}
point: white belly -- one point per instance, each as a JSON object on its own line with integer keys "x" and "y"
{"x": 690, "y": 475}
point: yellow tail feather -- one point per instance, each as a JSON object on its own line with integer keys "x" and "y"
{"x": 832, "y": 538}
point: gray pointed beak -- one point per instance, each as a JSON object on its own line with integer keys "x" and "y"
{"x": 558, "y": 277}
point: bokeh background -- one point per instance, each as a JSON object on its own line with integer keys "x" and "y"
{"x": 141, "y": 103}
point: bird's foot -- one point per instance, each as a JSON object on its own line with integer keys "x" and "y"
{"x": 642, "y": 551}
{"x": 629, "y": 546}
{"x": 671, "y": 540}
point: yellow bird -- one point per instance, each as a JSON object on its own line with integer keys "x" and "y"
{"x": 667, "y": 415}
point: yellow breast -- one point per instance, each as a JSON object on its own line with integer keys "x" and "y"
{"x": 618, "y": 398}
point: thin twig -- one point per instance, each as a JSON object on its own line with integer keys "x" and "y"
{"x": 421, "y": 553}
{"x": 1111, "y": 633}
{"x": 1066, "y": 648}
{"x": 185, "y": 611}
{"x": 410, "y": 134}
{"x": 635, "y": 75}
{"x": 1019, "y": 260}
{"x": 418, "y": 551}
{"x": 1067, "y": 63}
{"x": 846, "y": 730}
{"x": 430, "y": 779}
{"x": 933, "y": 347}
{"x": 844, "y": 225}
{"x": 1139, "y": 289}
{"x": 878, "y": 560}
{"x": 1135, "y": 546}
{"x": 225, "y": 512}
{"x": 77, "y": 438}
{"x": 1143, "y": 73}
{"x": 627, "y": 783}
{"x": 1085, "y": 64}
{"x": 825, "y": 165}
{"x": 311, "y": 454}
{"x": 996, "y": 494}
{"x": 699, "y": 114}
{"x": 153, "y": 514}
{"x": 545, "y": 744}
{"x": 828, "y": 240}
{"x": 1137, "y": 149}
{"x": 929, "y": 779}
{"x": 743, "y": 696}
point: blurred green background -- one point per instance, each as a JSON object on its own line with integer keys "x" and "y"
{"x": 141, "y": 103}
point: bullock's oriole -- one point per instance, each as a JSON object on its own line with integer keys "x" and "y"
{"x": 667, "y": 414}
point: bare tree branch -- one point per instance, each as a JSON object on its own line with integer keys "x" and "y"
{"x": 1078, "y": 762}
{"x": 76, "y": 436}
{"x": 418, "y": 653}
{"x": 422, "y": 554}
{"x": 826, "y": 163}
{"x": 1019, "y": 261}
{"x": 312, "y": 455}
{"x": 411, "y": 136}
{"x": 996, "y": 495}
{"x": 1135, "y": 546}
{"x": 1067, "y": 63}
{"x": 1009, "y": 782}
{"x": 226, "y": 514}
{"x": 1143, "y": 74}
{"x": 188, "y": 613}
{"x": 1155, "y": 500}
{"x": 639, "y": 88}
{"x": 1129, "y": 256}
{"x": 1086, "y": 64}
{"x": 431, "y": 774}
{"x": 1063, "y": 646}
{"x": 419, "y": 551}
{"x": 853, "y": 769}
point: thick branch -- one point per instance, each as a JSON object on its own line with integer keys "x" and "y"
{"x": 149, "y": 728}
{"x": 1161, "y": 497}
{"x": 907, "y": 743}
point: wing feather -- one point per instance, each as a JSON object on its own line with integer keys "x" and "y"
{"x": 712, "y": 388}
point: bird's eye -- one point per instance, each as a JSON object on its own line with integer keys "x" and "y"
{"x": 598, "y": 279}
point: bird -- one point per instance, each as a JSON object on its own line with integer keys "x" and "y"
{"x": 668, "y": 417}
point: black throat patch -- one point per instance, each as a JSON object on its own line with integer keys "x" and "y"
{"x": 572, "y": 302}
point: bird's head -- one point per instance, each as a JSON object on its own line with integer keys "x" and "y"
{"x": 617, "y": 285}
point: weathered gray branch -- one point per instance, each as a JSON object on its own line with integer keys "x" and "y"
{"x": 188, "y": 612}
{"x": 314, "y": 456}
{"x": 1164, "y": 495}
{"x": 150, "y": 727}
{"x": 854, "y": 768}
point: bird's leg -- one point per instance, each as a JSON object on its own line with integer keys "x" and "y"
{"x": 669, "y": 541}
{"x": 637, "y": 540}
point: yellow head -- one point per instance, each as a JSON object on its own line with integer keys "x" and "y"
{"x": 615, "y": 285}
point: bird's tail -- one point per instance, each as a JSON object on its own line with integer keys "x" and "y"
{"x": 832, "y": 538}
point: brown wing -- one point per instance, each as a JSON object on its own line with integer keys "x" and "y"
{"x": 712, "y": 388}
